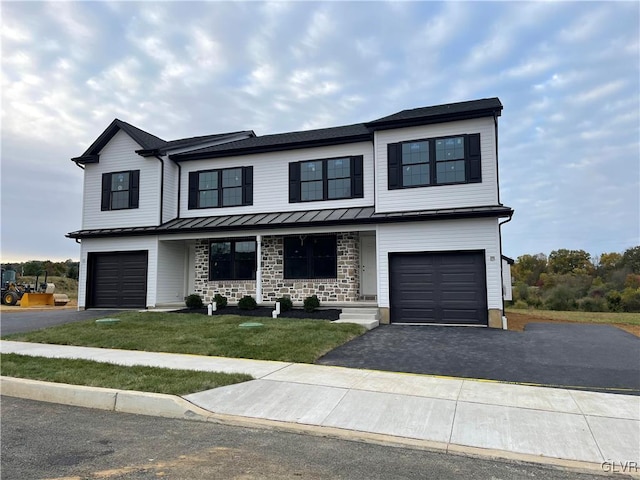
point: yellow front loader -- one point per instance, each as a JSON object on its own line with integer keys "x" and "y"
{"x": 34, "y": 295}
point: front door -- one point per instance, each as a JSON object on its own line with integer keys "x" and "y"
{"x": 368, "y": 267}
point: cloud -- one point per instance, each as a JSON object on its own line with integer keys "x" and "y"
{"x": 566, "y": 72}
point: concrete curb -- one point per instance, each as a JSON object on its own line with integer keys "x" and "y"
{"x": 172, "y": 406}
{"x": 125, "y": 401}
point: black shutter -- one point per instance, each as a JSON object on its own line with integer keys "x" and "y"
{"x": 357, "y": 184}
{"x": 474, "y": 159}
{"x": 134, "y": 188}
{"x": 193, "y": 189}
{"x": 394, "y": 161}
{"x": 294, "y": 182}
{"x": 106, "y": 191}
{"x": 247, "y": 186}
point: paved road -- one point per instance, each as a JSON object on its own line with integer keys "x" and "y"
{"x": 26, "y": 321}
{"x": 596, "y": 357}
{"x": 41, "y": 440}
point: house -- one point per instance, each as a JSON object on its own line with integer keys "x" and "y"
{"x": 402, "y": 213}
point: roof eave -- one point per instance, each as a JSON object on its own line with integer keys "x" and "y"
{"x": 400, "y": 217}
{"x": 84, "y": 159}
{"x": 182, "y": 157}
{"x": 428, "y": 120}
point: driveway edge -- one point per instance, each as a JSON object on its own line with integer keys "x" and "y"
{"x": 173, "y": 406}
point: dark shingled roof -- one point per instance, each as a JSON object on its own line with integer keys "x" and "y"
{"x": 293, "y": 140}
{"x": 281, "y": 141}
{"x": 296, "y": 219}
{"x": 149, "y": 143}
{"x": 449, "y": 111}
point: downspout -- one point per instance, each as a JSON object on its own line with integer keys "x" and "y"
{"x": 495, "y": 124}
{"x": 179, "y": 185}
{"x": 259, "y": 269}
{"x": 504, "y": 316}
{"x": 161, "y": 187}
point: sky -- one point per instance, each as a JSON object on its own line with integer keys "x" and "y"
{"x": 567, "y": 73}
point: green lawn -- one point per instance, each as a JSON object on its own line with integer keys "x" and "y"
{"x": 95, "y": 374}
{"x": 587, "y": 317}
{"x": 289, "y": 340}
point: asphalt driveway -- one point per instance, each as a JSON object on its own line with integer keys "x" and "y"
{"x": 26, "y": 321}
{"x": 592, "y": 357}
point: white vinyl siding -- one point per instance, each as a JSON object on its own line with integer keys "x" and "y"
{"x": 442, "y": 236}
{"x": 271, "y": 180}
{"x": 171, "y": 268}
{"x": 170, "y": 208}
{"x": 506, "y": 281}
{"x": 123, "y": 244}
{"x": 117, "y": 156}
{"x": 440, "y": 196}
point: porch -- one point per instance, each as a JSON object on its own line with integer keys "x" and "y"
{"x": 340, "y": 268}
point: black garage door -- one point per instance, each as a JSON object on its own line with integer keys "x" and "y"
{"x": 443, "y": 287}
{"x": 117, "y": 280}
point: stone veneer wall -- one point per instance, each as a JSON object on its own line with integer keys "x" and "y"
{"x": 344, "y": 288}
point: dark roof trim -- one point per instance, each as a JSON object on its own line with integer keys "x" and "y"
{"x": 509, "y": 260}
{"x": 488, "y": 107}
{"x": 248, "y": 150}
{"x": 295, "y": 219}
{"x": 142, "y": 138}
{"x": 193, "y": 142}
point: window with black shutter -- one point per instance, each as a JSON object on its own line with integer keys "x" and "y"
{"x": 229, "y": 187}
{"x": 326, "y": 179}
{"x": 120, "y": 190}
{"x": 434, "y": 161}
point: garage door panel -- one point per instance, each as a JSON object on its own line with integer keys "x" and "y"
{"x": 118, "y": 279}
{"x": 438, "y": 287}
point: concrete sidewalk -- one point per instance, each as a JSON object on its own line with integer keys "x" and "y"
{"x": 563, "y": 427}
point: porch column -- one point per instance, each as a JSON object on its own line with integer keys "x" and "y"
{"x": 258, "y": 269}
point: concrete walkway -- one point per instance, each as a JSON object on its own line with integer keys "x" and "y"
{"x": 563, "y": 427}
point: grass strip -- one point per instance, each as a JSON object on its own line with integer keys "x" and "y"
{"x": 287, "y": 340}
{"x": 582, "y": 317}
{"x": 97, "y": 374}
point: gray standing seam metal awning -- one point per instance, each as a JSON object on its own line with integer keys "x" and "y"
{"x": 307, "y": 218}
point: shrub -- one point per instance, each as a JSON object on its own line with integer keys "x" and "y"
{"x": 560, "y": 297}
{"x": 285, "y": 304}
{"x": 630, "y": 300}
{"x": 592, "y": 304}
{"x": 247, "y": 303}
{"x": 221, "y": 300}
{"x": 614, "y": 301}
{"x": 194, "y": 301}
{"x": 311, "y": 303}
{"x": 521, "y": 304}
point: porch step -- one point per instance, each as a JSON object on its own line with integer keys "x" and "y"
{"x": 369, "y": 318}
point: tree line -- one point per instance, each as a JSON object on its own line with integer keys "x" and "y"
{"x": 573, "y": 280}
{"x": 68, "y": 268}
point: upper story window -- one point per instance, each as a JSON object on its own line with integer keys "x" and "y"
{"x": 434, "y": 161}
{"x": 327, "y": 179}
{"x": 310, "y": 256}
{"x": 229, "y": 187}
{"x": 120, "y": 190}
{"x": 232, "y": 260}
